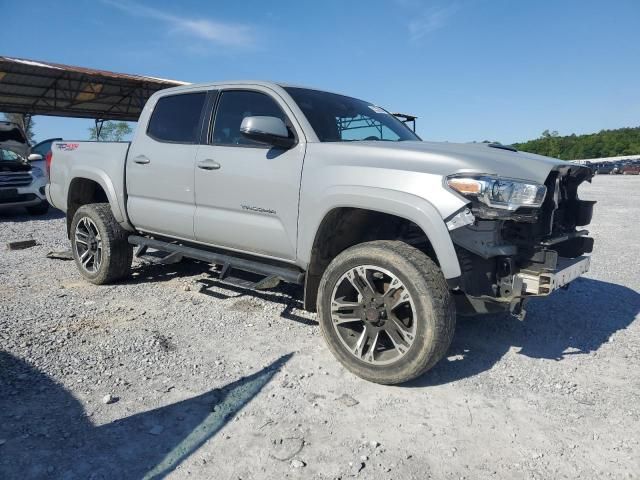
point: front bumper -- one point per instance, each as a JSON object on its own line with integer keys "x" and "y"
{"x": 27, "y": 196}
{"x": 522, "y": 286}
{"x": 545, "y": 282}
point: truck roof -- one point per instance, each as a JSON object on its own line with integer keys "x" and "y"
{"x": 261, "y": 83}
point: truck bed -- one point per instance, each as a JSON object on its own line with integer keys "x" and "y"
{"x": 102, "y": 162}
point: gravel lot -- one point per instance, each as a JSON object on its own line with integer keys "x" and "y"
{"x": 174, "y": 375}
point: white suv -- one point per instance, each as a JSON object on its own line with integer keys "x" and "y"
{"x": 21, "y": 184}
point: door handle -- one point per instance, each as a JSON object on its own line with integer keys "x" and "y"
{"x": 141, "y": 159}
{"x": 209, "y": 164}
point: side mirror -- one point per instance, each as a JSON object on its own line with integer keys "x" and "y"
{"x": 34, "y": 157}
{"x": 268, "y": 130}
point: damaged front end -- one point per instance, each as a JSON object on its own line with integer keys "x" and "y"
{"x": 519, "y": 239}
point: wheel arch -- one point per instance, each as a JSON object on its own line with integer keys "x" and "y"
{"x": 375, "y": 217}
{"x": 89, "y": 188}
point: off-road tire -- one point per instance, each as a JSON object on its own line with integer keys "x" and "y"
{"x": 435, "y": 310}
{"x": 117, "y": 253}
{"x": 40, "y": 209}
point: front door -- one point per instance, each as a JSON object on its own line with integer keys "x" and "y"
{"x": 247, "y": 193}
{"x": 160, "y": 166}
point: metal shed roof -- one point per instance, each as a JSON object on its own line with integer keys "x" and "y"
{"x": 43, "y": 88}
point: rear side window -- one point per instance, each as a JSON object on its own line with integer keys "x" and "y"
{"x": 176, "y": 118}
{"x": 233, "y": 107}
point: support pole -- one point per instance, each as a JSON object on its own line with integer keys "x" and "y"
{"x": 26, "y": 121}
{"x": 99, "y": 123}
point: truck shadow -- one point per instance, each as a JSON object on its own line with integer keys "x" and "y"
{"x": 45, "y": 431}
{"x": 290, "y": 296}
{"x": 573, "y": 322}
{"x": 569, "y": 322}
{"x": 158, "y": 272}
{"x": 20, "y": 215}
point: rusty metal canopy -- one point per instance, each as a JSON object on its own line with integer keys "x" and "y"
{"x": 42, "y": 88}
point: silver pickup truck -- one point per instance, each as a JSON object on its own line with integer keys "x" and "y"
{"x": 390, "y": 235}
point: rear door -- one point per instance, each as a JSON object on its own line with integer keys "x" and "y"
{"x": 247, "y": 193}
{"x": 160, "y": 166}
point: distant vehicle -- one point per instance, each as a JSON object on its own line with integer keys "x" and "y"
{"x": 630, "y": 169}
{"x": 387, "y": 233}
{"x": 21, "y": 183}
{"x": 604, "y": 169}
{"x": 42, "y": 148}
{"x": 617, "y": 168}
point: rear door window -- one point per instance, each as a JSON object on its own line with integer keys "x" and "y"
{"x": 176, "y": 118}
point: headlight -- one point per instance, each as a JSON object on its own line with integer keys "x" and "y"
{"x": 37, "y": 172}
{"x": 504, "y": 193}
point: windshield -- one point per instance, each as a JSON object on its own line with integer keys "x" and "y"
{"x": 9, "y": 156}
{"x": 336, "y": 118}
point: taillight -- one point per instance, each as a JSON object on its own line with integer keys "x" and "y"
{"x": 47, "y": 162}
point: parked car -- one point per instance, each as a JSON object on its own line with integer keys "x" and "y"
{"x": 630, "y": 169}
{"x": 604, "y": 169}
{"x": 617, "y": 169}
{"x": 21, "y": 183}
{"x": 43, "y": 148}
{"x": 389, "y": 235}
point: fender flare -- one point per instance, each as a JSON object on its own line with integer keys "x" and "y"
{"x": 102, "y": 179}
{"x": 401, "y": 204}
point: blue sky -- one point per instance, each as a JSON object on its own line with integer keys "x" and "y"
{"x": 470, "y": 69}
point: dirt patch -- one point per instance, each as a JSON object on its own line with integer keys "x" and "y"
{"x": 246, "y": 305}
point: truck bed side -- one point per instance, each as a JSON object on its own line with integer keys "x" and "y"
{"x": 74, "y": 163}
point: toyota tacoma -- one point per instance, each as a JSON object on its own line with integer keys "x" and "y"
{"x": 390, "y": 236}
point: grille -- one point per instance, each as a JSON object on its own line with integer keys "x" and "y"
{"x": 15, "y": 179}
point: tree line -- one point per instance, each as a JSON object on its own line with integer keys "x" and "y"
{"x": 605, "y": 143}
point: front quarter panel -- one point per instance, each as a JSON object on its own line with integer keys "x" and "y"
{"x": 335, "y": 177}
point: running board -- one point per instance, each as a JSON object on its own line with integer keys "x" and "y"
{"x": 263, "y": 284}
{"x": 272, "y": 273}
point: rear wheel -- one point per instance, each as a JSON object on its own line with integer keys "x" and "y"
{"x": 99, "y": 244}
{"x": 385, "y": 311}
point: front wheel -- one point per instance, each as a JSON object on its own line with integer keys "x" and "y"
{"x": 385, "y": 311}
{"x": 99, "y": 244}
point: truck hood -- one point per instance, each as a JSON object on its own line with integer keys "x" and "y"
{"x": 449, "y": 158}
{"x": 13, "y": 138}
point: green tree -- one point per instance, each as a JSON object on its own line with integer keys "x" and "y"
{"x": 605, "y": 143}
{"x": 20, "y": 119}
{"x": 111, "y": 131}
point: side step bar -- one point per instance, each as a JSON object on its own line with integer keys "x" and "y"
{"x": 228, "y": 262}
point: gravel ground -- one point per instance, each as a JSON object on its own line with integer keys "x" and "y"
{"x": 173, "y": 375}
